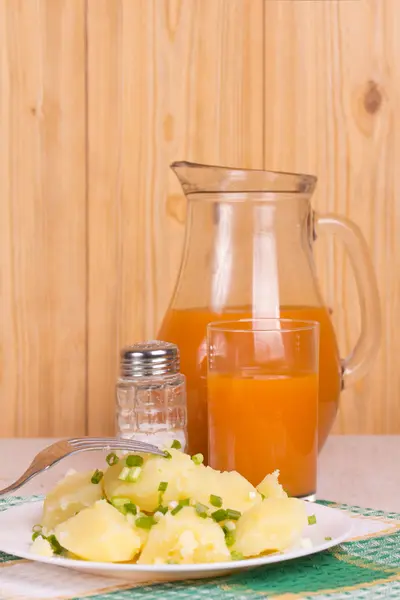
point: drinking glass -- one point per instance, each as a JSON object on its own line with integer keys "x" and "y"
{"x": 262, "y": 396}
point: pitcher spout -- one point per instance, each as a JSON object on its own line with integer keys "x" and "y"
{"x": 197, "y": 178}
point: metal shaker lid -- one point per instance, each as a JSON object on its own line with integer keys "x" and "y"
{"x": 150, "y": 358}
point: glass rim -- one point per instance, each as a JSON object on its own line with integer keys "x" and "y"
{"x": 293, "y": 325}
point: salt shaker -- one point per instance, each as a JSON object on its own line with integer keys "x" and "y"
{"x": 151, "y": 394}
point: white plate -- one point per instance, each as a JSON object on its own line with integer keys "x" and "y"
{"x": 16, "y": 533}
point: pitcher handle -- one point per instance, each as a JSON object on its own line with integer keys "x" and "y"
{"x": 360, "y": 359}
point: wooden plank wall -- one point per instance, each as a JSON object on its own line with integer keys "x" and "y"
{"x": 98, "y": 97}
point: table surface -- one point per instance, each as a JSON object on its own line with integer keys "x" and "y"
{"x": 360, "y": 470}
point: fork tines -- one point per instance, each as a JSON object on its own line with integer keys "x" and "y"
{"x": 114, "y": 443}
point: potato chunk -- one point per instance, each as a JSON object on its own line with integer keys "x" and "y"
{"x": 270, "y": 486}
{"x": 71, "y": 494}
{"x": 144, "y": 492}
{"x": 185, "y": 538}
{"x": 99, "y": 533}
{"x": 236, "y": 492}
{"x": 185, "y": 480}
{"x": 274, "y": 524}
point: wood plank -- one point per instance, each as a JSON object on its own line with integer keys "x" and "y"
{"x": 167, "y": 80}
{"x": 42, "y": 217}
{"x": 332, "y": 109}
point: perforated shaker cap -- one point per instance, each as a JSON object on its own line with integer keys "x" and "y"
{"x": 151, "y": 358}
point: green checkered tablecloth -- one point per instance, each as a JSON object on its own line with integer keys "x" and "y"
{"x": 367, "y": 566}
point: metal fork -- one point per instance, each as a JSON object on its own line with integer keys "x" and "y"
{"x": 56, "y": 452}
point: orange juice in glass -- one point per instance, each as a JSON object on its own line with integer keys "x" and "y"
{"x": 262, "y": 394}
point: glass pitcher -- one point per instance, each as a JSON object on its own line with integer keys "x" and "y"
{"x": 248, "y": 254}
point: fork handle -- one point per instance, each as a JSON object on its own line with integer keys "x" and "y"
{"x": 29, "y": 474}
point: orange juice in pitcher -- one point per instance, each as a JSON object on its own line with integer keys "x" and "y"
{"x": 249, "y": 254}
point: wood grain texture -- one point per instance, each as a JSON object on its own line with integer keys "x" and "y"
{"x": 97, "y": 97}
{"x": 42, "y": 217}
{"x": 331, "y": 108}
{"x": 168, "y": 79}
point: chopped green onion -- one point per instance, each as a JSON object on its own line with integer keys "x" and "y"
{"x": 131, "y": 508}
{"x": 262, "y": 496}
{"x": 134, "y": 474}
{"x": 216, "y": 501}
{"x": 219, "y": 515}
{"x": 312, "y": 520}
{"x": 201, "y": 510}
{"x": 162, "y": 509}
{"x": 175, "y": 510}
{"x": 328, "y": 538}
{"x": 118, "y": 501}
{"x": 167, "y": 454}
{"x": 236, "y": 555}
{"x": 230, "y": 537}
{"x": 130, "y": 474}
{"x": 145, "y": 522}
{"x": 163, "y": 486}
{"x": 176, "y": 444}
{"x": 112, "y": 459}
{"x": 133, "y": 460}
{"x": 97, "y": 476}
{"x": 229, "y": 526}
{"x": 124, "y": 474}
{"x": 55, "y": 544}
{"x": 124, "y": 505}
{"x": 197, "y": 458}
{"x": 233, "y": 514}
{"x": 37, "y": 528}
{"x": 36, "y": 534}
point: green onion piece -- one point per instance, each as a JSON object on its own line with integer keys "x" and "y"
{"x": 131, "y": 508}
{"x": 233, "y": 514}
{"x": 112, "y": 459}
{"x": 176, "y": 444}
{"x": 97, "y": 476}
{"x": 312, "y": 520}
{"x": 37, "y": 528}
{"x": 124, "y": 474}
{"x": 145, "y": 522}
{"x": 163, "y": 486}
{"x": 175, "y": 510}
{"x": 216, "y": 501}
{"x": 262, "y": 496}
{"x": 219, "y": 515}
{"x": 185, "y": 502}
{"x": 118, "y": 501}
{"x": 236, "y": 555}
{"x": 167, "y": 454}
{"x": 197, "y": 458}
{"x": 201, "y": 510}
{"x": 55, "y": 544}
{"x": 328, "y": 538}
{"x": 36, "y": 534}
{"x": 133, "y": 460}
{"x": 230, "y": 538}
{"x": 162, "y": 509}
{"x": 134, "y": 474}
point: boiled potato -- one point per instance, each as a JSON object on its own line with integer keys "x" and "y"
{"x": 155, "y": 469}
{"x": 99, "y": 533}
{"x": 71, "y": 494}
{"x": 185, "y": 538}
{"x": 185, "y": 480}
{"x": 236, "y": 492}
{"x": 273, "y": 525}
{"x": 270, "y": 486}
